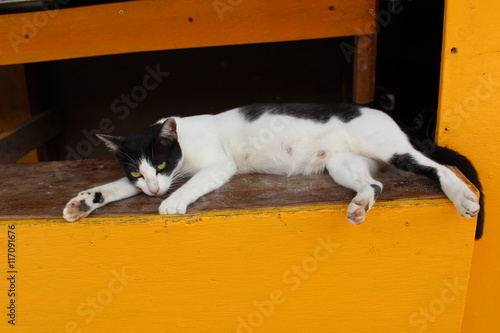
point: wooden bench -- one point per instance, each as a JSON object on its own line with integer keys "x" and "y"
{"x": 56, "y": 182}
{"x": 261, "y": 254}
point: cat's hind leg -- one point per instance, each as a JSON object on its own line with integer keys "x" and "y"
{"x": 379, "y": 137}
{"x": 465, "y": 201}
{"x": 355, "y": 172}
{"x": 87, "y": 201}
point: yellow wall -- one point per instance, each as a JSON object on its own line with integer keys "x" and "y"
{"x": 469, "y": 120}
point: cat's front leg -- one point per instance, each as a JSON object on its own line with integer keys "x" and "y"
{"x": 203, "y": 182}
{"x": 87, "y": 201}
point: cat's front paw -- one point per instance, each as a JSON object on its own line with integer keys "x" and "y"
{"x": 173, "y": 206}
{"x": 82, "y": 205}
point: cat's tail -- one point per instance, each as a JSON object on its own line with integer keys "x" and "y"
{"x": 450, "y": 157}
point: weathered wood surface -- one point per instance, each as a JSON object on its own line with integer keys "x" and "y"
{"x": 41, "y": 190}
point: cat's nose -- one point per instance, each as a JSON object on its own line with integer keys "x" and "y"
{"x": 153, "y": 187}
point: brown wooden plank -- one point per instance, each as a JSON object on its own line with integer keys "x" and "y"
{"x": 136, "y": 26}
{"x": 41, "y": 190}
{"x": 364, "y": 68}
{"x": 30, "y": 134}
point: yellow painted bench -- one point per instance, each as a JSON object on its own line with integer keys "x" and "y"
{"x": 295, "y": 266}
{"x": 261, "y": 254}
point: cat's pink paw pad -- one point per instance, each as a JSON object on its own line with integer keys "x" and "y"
{"x": 356, "y": 211}
{"x": 467, "y": 203}
{"x": 78, "y": 207}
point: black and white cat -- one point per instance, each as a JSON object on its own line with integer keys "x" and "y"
{"x": 348, "y": 141}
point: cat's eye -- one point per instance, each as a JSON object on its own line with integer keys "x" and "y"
{"x": 161, "y": 166}
{"x": 135, "y": 174}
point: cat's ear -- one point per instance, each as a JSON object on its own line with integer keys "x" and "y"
{"x": 112, "y": 142}
{"x": 168, "y": 131}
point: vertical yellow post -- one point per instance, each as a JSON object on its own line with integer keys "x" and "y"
{"x": 468, "y": 122}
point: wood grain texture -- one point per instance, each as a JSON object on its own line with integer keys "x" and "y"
{"x": 56, "y": 182}
{"x": 136, "y": 26}
{"x": 364, "y": 69}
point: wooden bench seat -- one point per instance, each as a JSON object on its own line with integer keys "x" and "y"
{"x": 41, "y": 190}
{"x": 261, "y": 254}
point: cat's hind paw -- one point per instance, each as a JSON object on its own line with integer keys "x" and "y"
{"x": 361, "y": 204}
{"x": 467, "y": 203}
{"x": 356, "y": 211}
{"x": 82, "y": 205}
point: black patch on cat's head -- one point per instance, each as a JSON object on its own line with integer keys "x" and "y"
{"x": 156, "y": 143}
{"x": 321, "y": 113}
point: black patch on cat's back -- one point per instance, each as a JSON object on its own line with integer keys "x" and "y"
{"x": 321, "y": 113}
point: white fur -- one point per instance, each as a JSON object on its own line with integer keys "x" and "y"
{"x": 216, "y": 147}
{"x": 152, "y": 183}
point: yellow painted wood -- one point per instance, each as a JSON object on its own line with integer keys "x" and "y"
{"x": 135, "y": 26}
{"x": 277, "y": 270}
{"x": 468, "y": 122}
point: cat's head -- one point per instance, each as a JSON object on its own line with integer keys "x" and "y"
{"x": 150, "y": 158}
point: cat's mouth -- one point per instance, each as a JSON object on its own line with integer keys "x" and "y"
{"x": 155, "y": 193}
{"x": 152, "y": 189}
